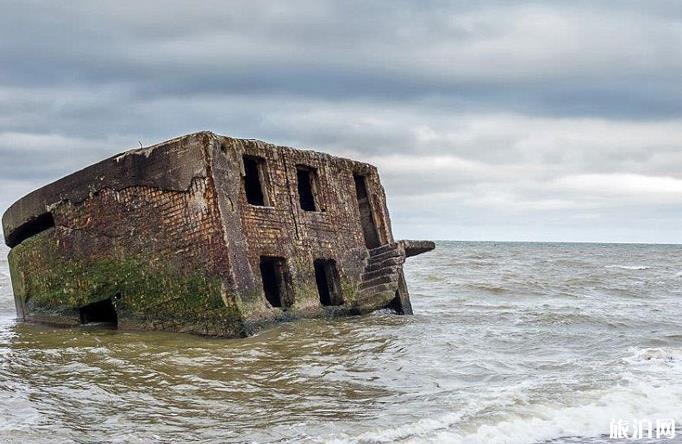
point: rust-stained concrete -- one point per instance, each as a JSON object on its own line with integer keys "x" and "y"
{"x": 165, "y": 238}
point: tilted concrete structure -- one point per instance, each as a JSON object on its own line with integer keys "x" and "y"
{"x": 208, "y": 235}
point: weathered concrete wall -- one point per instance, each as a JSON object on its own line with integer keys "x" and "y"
{"x": 285, "y": 230}
{"x": 171, "y": 165}
{"x": 158, "y": 253}
{"x": 168, "y": 235}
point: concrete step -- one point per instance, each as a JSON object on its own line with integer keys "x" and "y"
{"x": 382, "y": 249}
{"x": 375, "y": 301}
{"x": 391, "y": 261}
{"x": 381, "y": 288}
{"x": 384, "y": 255}
{"x": 369, "y": 275}
{"x": 384, "y": 279}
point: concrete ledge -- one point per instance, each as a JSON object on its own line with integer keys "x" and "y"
{"x": 415, "y": 247}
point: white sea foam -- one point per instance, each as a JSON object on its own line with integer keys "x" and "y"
{"x": 649, "y": 391}
{"x": 637, "y": 401}
{"x": 422, "y": 428}
{"x": 657, "y": 355}
{"x": 629, "y": 267}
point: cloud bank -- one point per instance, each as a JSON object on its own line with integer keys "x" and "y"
{"x": 499, "y": 120}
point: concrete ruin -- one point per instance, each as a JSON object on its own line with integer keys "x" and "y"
{"x": 209, "y": 235}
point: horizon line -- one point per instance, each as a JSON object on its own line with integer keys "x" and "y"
{"x": 557, "y": 242}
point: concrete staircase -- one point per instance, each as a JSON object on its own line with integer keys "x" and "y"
{"x": 381, "y": 276}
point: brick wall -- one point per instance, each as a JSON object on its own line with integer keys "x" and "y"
{"x": 160, "y": 253}
{"x": 185, "y": 255}
{"x": 178, "y": 227}
{"x": 283, "y": 229}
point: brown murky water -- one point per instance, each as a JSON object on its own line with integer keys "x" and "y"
{"x": 511, "y": 343}
{"x": 144, "y": 386}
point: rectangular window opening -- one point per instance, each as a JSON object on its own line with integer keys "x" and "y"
{"x": 307, "y": 188}
{"x": 102, "y": 312}
{"x": 360, "y": 186}
{"x": 327, "y": 279}
{"x": 369, "y": 228}
{"x": 254, "y": 184}
{"x": 275, "y": 278}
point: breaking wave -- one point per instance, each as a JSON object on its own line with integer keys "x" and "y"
{"x": 629, "y": 267}
{"x": 647, "y": 392}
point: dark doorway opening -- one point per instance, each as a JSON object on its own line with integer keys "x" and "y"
{"x": 327, "y": 278}
{"x": 369, "y": 229}
{"x": 31, "y": 228}
{"x": 253, "y": 180}
{"x": 307, "y": 188}
{"x": 275, "y": 281}
{"x": 102, "y": 312}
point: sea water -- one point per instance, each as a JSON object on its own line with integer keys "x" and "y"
{"x": 510, "y": 343}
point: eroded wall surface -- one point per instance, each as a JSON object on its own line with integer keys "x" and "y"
{"x": 281, "y": 228}
{"x": 167, "y": 235}
{"x": 158, "y": 253}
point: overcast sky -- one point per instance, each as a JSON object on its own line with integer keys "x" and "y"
{"x": 488, "y": 120}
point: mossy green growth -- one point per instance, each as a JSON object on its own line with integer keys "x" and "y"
{"x": 348, "y": 290}
{"x": 145, "y": 289}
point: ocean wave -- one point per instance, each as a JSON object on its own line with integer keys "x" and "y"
{"x": 422, "y": 428}
{"x": 649, "y": 391}
{"x": 644, "y": 401}
{"x": 628, "y": 267}
{"x": 656, "y": 356}
{"x": 548, "y": 346}
{"x": 489, "y": 288}
{"x": 545, "y": 422}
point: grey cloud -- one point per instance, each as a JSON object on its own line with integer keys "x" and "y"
{"x": 528, "y": 57}
{"x": 534, "y": 117}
